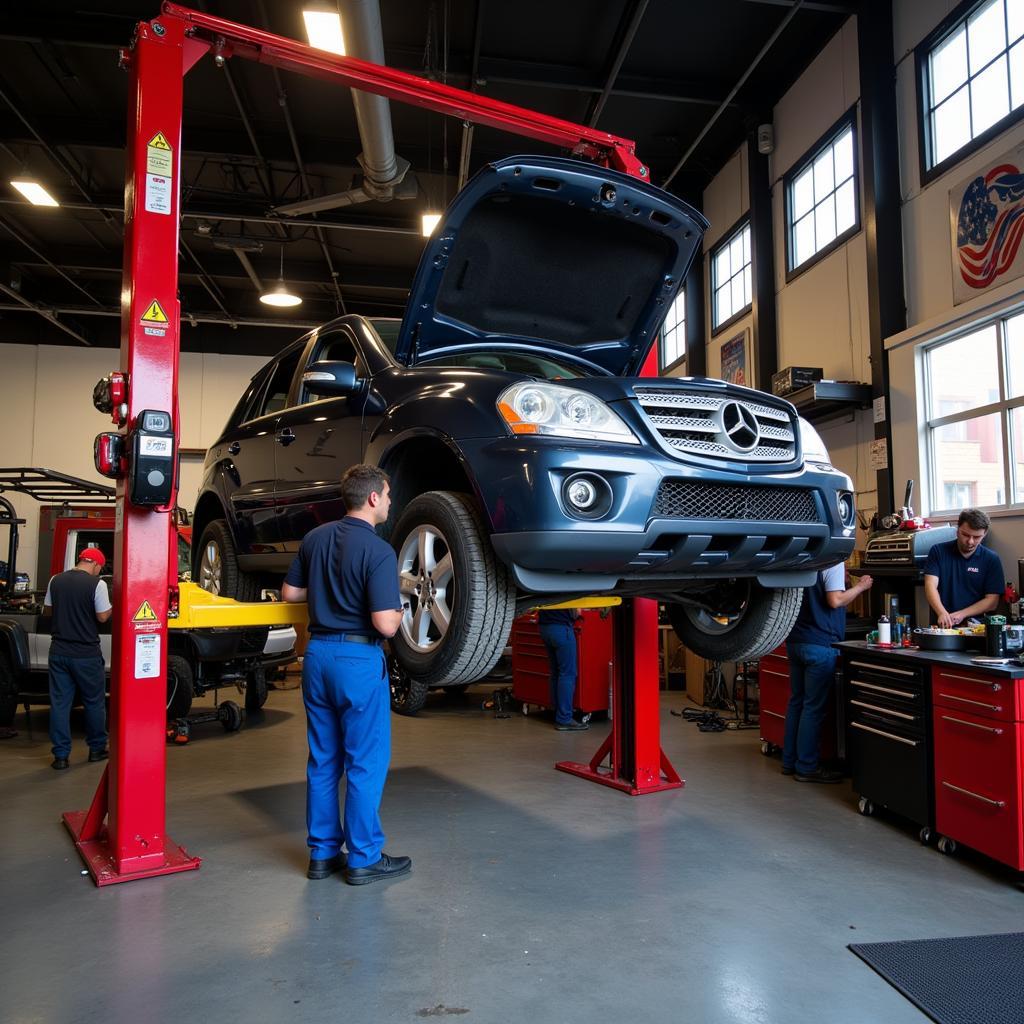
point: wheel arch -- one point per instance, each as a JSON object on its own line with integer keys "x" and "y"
{"x": 14, "y": 643}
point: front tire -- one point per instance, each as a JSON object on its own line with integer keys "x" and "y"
{"x": 180, "y": 682}
{"x": 255, "y": 690}
{"x": 460, "y": 597}
{"x": 215, "y": 565}
{"x": 758, "y": 621}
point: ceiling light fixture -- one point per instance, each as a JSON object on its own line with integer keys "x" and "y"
{"x": 34, "y": 192}
{"x": 430, "y": 221}
{"x": 323, "y": 27}
{"x": 279, "y": 294}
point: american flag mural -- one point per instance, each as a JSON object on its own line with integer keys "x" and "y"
{"x": 990, "y": 225}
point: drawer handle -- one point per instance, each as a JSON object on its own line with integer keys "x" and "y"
{"x": 883, "y": 711}
{"x": 887, "y": 735}
{"x": 977, "y": 796}
{"x": 884, "y": 668}
{"x": 975, "y": 703}
{"x": 772, "y": 672}
{"x": 883, "y": 689}
{"x": 973, "y": 725}
{"x": 996, "y": 687}
{"x": 774, "y": 714}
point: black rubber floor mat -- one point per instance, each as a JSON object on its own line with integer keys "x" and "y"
{"x": 974, "y": 979}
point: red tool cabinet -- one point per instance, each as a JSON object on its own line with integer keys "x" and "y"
{"x": 531, "y": 673}
{"x": 773, "y": 679}
{"x": 978, "y": 722}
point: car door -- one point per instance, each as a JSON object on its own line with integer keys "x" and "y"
{"x": 318, "y": 439}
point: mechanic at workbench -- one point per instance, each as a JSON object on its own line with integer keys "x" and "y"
{"x": 962, "y": 577}
{"x": 349, "y": 578}
{"x": 77, "y": 599}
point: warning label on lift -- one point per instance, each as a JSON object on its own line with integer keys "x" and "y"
{"x": 159, "y": 156}
{"x": 145, "y": 613}
{"x": 154, "y": 314}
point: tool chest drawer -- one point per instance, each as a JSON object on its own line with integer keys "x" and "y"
{"x": 975, "y": 693}
{"x": 773, "y": 679}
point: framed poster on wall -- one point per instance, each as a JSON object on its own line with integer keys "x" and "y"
{"x": 735, "y": 365}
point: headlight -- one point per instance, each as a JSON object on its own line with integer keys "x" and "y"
{"x": 813, "y": 447}
{"x": 552, "y": 409}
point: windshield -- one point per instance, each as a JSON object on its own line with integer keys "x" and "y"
{"x": 515, "y": 362}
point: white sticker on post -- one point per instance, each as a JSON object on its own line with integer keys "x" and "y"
{"x": 147, "y": 655}
{"x": 158, "y": 193}
{"x": 156, "y": 447}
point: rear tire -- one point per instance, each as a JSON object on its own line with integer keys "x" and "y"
{"x": 180, "y": 682}
{"x": 762, "y": 620}
{"x": 255, "y": 690}
{"x": 408, "y": 695}
{"x": 461, "y": 598}
{"x": 215, "y": 565}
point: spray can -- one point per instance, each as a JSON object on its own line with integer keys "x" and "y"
{"x": 884, "y": 631}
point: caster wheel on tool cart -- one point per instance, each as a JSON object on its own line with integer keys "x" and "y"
{"x": 526, "y": 709}
{"x": 925, "y": 835}
{"x": 230, "y": 715}
{"x": 767, "y": 748}
{"x": 865, "y": 806}
{"x": 947, "y": 846}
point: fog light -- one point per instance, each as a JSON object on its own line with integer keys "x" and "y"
{"x": 581, "y": 494}
{"x": 586, "y": 496}
{"x": 846, "y": 509}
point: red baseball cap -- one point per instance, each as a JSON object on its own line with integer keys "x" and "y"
{"x": 93, "y": 555}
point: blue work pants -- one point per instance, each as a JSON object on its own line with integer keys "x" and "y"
{"x": 89, "y": 677}
{"x": 812, "y": 673}
{"x": 348, "y": 725}
{"x": 560, "y": 641}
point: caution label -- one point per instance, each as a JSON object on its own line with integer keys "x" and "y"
{"x": 145, "y": 613}
{"x": 154, "y": 314}
{"x": 159, "y": 156}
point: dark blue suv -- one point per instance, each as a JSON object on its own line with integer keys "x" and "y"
{"x": 526, "y": 456}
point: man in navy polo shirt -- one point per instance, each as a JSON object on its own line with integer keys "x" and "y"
{"x": 961, "y": 577}
{"x": 349, "y": 578}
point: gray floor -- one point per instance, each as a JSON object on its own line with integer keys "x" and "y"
{"x": 534, "y": 896}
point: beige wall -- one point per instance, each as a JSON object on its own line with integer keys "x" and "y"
{"x": 48, "y": 420}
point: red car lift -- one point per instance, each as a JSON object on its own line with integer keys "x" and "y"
{"x": 122, "y": 835}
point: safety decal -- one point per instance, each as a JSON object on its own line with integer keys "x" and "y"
{"x": 145, "y": 613}
{"x": 159, "y": 142}
{"x": 147, "y": 656}
{"x": 154, "y": 314}
{"x": 159, "y": 156}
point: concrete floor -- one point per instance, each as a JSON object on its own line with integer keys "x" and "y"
{"x": 534, "y": 896}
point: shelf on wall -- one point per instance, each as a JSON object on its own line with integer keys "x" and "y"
{"x": 826, "y": 399}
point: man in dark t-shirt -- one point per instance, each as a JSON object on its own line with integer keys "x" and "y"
{"x": 349, "y": 578}
{"x": 77, "y": 600}
{"x": 961, "y": 577}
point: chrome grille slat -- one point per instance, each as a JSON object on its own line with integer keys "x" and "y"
{"x": 684, "y": 423}
{"x": 678, "y": 499}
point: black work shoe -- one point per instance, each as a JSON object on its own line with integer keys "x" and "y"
{"x": 325, "y": 868}
{"x": 98, "y": 755}
{"x": 386, "y": 867}
{"x": 821, "y": 775}
{"x": 788, "y": 771}
{"x": 572, "y": 726}
{"x": 60, "y": 764}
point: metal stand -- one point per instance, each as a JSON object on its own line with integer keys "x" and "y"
{"x": 637, "y": 765}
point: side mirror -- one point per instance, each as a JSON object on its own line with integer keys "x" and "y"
{"x": 331, "y": 377}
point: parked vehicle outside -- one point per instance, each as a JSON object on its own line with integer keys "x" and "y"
{"x": 528, "y": 460}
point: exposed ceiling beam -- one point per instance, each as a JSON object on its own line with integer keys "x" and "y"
{"x": 466, "y": 145}
{"x": 850, "y": 7}
{"x": 23, "y": 305}
{"x": 631, "y": 18}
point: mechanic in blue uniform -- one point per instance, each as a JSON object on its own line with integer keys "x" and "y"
{"x": 349, "y": 578}
{"x": 560, "y": 641}
{"x": 962, "y": 577}
{"x": 812, "y": 670}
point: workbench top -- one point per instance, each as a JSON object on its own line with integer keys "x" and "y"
{"x": 957, "y": 659}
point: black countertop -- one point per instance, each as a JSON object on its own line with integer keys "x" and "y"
{"x": 954, "y": 659}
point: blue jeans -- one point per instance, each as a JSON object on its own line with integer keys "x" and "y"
{"x": 812, "y": 672}
{"x": 88, "y": 675}
{"x": 348, "y": 725}
{"x": 560, "y": 642}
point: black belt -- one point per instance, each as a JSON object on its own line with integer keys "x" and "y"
{"x": 359, "y": 638}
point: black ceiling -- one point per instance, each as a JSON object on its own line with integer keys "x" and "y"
{"x": 669, "y": 66}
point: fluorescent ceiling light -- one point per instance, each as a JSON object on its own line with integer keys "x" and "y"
{"x": 429, "y": 223}
{"x": 323, "y": 29}
{"x": 280, "y": 296}
{"x": 35, "y": 193}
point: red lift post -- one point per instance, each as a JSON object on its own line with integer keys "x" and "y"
{"x": 122, "y": 835}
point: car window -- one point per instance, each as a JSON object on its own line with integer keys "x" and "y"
{"x": 275, "y": 398}
{"x": 514, "y": 362}
{"x": 245, "y": 410}
{"x": 387, "y": 331}
{"x": 102, "y": 539}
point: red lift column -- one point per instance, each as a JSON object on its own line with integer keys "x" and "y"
{"x": 131, "y": 794}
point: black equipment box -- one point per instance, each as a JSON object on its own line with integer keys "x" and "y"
{"x": 793, "y": 378}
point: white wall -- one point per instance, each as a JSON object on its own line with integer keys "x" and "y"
{"x": 48, "y": 420}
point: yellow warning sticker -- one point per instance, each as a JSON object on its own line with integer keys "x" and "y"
{"x": 159, "y": 156}
{"x": 154, "y": 314}
{"x": 145, "y": 613}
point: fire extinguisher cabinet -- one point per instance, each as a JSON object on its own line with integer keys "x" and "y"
{"x": 531, "y": 672}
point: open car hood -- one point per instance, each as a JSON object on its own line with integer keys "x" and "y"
{"x": 554, "y": 255}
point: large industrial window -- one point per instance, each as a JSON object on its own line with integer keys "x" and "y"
{"x": 971, "y": 76}
{"x": 673, "y": 334}
{"x": 821, "y": 197}
{"x": 731, "y": 277}
{"x": 974, "y": 408}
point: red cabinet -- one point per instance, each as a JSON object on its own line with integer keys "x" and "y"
{"x": 531, "y": 672}
{"x": 979, "y": 762}
{"x": 773, "y": 678}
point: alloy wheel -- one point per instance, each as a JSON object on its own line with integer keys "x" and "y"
{"x": 426, "y": 579}
{"x": 211, "y": 568}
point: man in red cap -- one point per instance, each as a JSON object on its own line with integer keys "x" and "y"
{"x": 78, "y": 600}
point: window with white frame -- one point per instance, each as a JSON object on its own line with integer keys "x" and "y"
{"x": 974, "y": 411}
{"x": 972, "y": 77}
{"x": 731, "y": 282}
{"x": 821, "y": 197}
{"x": 673, "y": 334}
